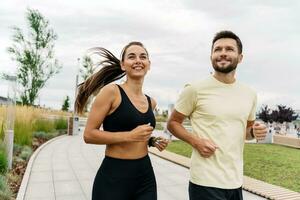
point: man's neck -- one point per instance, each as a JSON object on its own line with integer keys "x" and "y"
{"x": 225, "y": 78}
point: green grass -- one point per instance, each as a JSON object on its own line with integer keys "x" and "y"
{"x": 180, "y": 147}
{"x": 271, "y": 163}
{"x": 275, "y": 164}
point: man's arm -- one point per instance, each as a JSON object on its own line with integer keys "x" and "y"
{"x": 205, "y": 147}
{"x": 249, "y": 132}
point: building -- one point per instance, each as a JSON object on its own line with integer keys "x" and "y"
{"x": 298, "y": 113}
{"x": 4, "y": 101}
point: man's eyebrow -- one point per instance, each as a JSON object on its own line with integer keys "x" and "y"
{"x": 226, "y": 46}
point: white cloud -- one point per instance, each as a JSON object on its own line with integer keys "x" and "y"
{"x": 178, "y": 36}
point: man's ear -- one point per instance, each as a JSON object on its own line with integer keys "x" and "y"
{"x": 240, "y": 58}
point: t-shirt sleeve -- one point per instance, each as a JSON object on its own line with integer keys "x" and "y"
{"x": 186, "y": 102}
{"x": 252, "y": 115}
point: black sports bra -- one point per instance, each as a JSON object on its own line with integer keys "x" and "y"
{"x": 127, "y": 117}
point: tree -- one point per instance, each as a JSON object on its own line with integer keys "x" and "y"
{"x": 165, "y": 113}
{"x": 265, "y": 114}
{"x": 66, "y": 104}
{"x": 87, "y": 68}
{"x": 281, "y": 114}
{"x": 34, "y": 55}
{"x": 86, "y": 71}
{"x": 284, "y": 114}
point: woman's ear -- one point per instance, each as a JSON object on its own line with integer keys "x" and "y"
{"x": 122, "y": 65}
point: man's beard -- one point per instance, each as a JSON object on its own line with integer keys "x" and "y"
{"x": 227, "y": 69}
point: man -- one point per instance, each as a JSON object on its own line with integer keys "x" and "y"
{"x": 222, "y": 114}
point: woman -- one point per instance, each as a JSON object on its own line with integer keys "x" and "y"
{"x": 128, "y": 121}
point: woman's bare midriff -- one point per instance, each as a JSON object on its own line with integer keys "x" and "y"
{"x": 129, "y": 150}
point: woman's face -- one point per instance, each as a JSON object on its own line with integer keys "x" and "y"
{"x": 136, "y": 62}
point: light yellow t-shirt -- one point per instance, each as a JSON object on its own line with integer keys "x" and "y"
{"x": 218, "y": 112}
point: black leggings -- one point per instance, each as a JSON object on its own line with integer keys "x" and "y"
{"x": 124, "y": 179}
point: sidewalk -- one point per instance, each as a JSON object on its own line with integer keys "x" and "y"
{"x": 64, "y": 169}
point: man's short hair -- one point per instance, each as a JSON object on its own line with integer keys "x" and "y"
{"x": 228, "y": 34}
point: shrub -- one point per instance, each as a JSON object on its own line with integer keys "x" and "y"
{"x": 159, "y": 126}
{"x": 61, "y": 123}
{"x": 5, "y": 193}
{"x": 3, "y": 159}
{"x": 2, "y": 131}
{"x": 26, "y": 153}
{"x": 2, "y": 121}
{"x": 17, "y": 149}
{"x": 24, "y": 122}
{"x": 30, "y": 119}
{"x": 23, "y": 132}
{"x": 41, "y": 135}
{"x": 17, "y": 159}
{"x": 161, "y": 118}
{"x": 44, "y": 125}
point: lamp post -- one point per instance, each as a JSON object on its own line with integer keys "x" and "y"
{"x": 73, "y": 121}
{"x": 11, "y": 110}
{"x": 76, "y": 83}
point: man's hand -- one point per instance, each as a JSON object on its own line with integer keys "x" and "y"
{"x": 205, "y": 147}
{"x": 259, "y": 130}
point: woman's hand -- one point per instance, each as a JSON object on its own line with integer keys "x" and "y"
{"x": 140, "y": 133}
{"x": 160, "y": 143}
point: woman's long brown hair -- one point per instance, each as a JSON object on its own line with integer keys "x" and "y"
{"x": 110, "y": 71}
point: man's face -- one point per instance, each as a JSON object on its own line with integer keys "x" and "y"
{"x": 225, "y": 56}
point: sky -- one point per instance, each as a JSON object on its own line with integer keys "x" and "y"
{"x": 177, "y": 35}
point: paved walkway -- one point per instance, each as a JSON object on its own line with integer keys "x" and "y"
{"x": 65, "y": 168}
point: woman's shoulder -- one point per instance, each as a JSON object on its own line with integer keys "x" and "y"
{"x": 153, "y": 102}
{"x": 108, "y": 91}
{"x": 109, "y": 88}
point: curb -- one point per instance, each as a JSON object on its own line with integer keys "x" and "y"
{"x": 24, "y": 183}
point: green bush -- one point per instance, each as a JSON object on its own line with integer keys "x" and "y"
{"x": 17, "y": 159}
{"x": 5, "y": 193}
{"x": 44, "y": 125}
{"x": 53, "y": 134}
{"x": 161, "y": 118}
{"x": 61, "y": 123}
{"x": 3, "y": 159}
{"x": 26, "y": 153}
{"x": 159, "y": 126}
{"x": 17, "y": 149}
{"x": 41, "y": 135}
